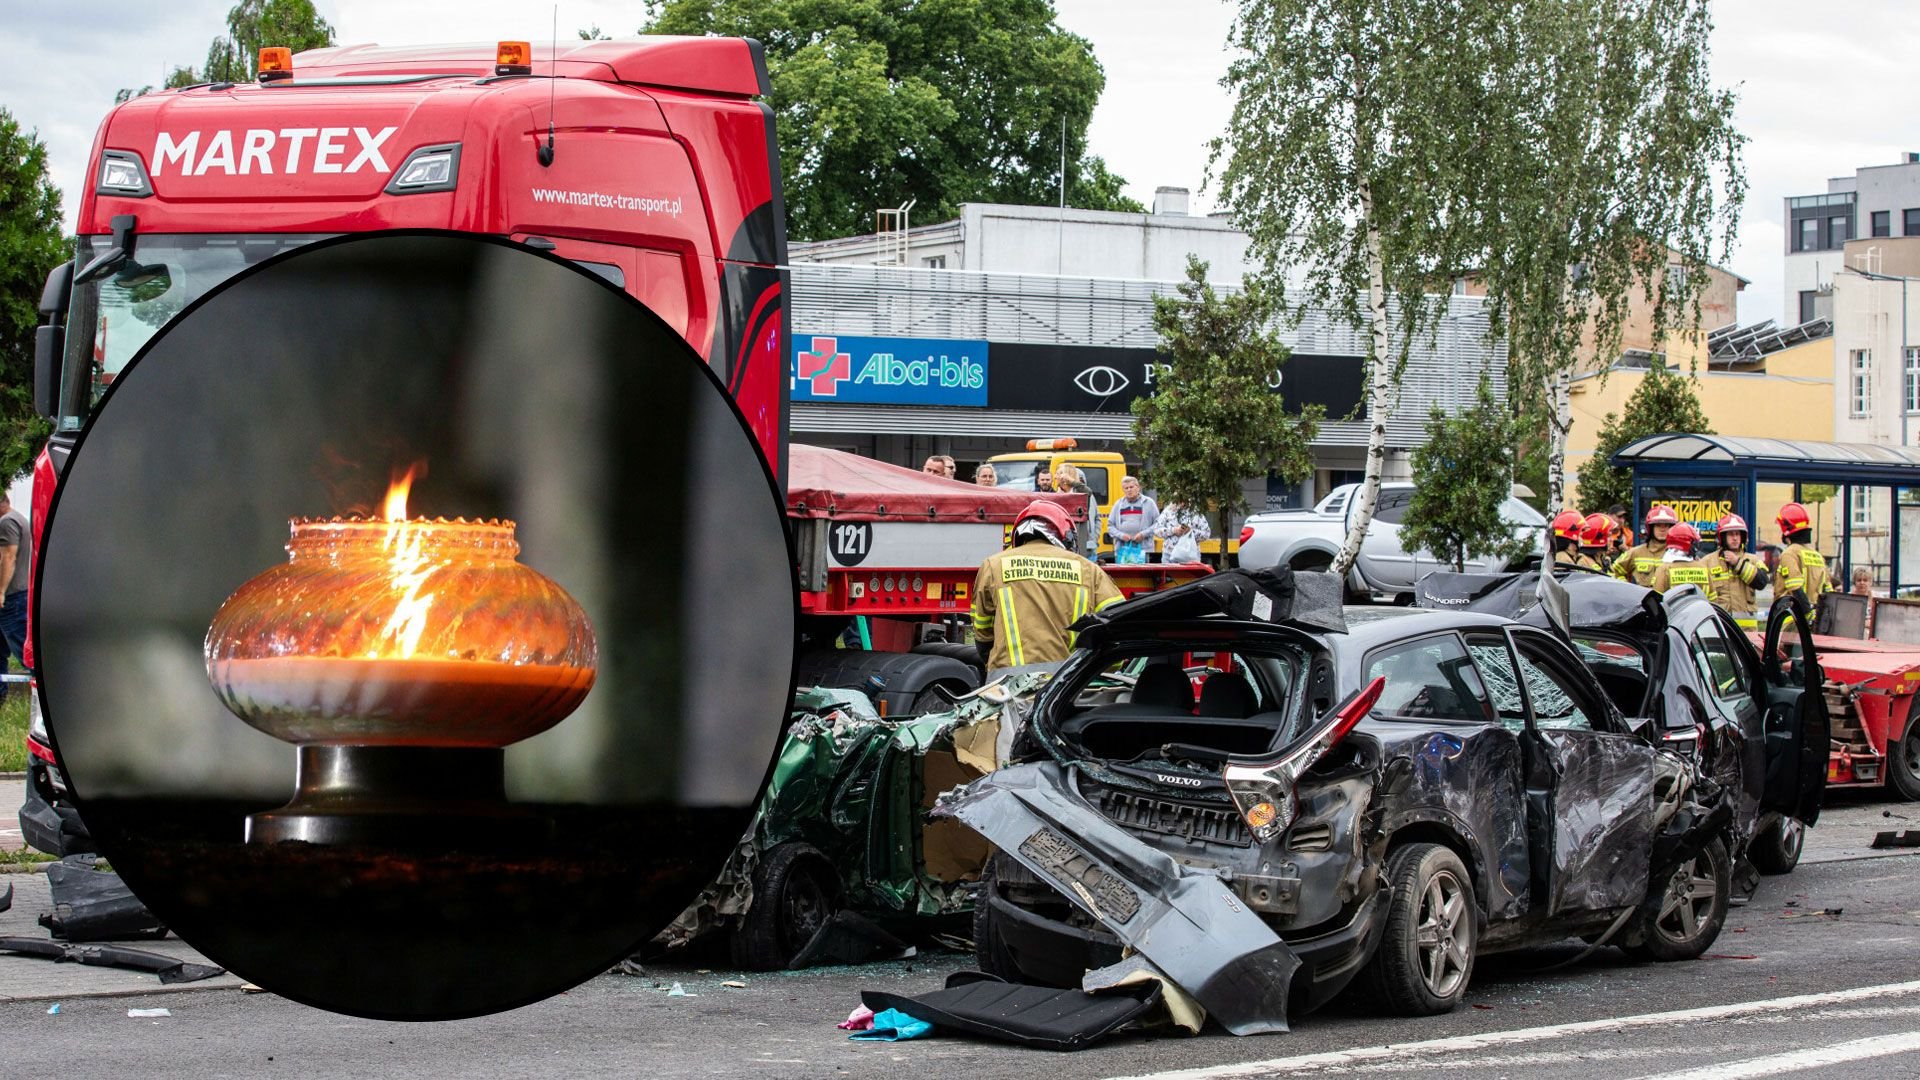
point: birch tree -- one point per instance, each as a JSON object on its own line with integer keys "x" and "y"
{"x": 1618, "y": 171}
{"x": 1354, "y": 160}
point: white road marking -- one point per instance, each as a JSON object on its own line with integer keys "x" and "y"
{"x": 1490, "y": 1039}
{"x": 1814, "y": 1058}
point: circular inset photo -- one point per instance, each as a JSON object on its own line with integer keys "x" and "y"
{"x": 415, "y": 624}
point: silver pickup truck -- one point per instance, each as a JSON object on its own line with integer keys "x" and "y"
{"x": 1309, "y": 539}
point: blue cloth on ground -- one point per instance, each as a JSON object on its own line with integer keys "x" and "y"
{"x": 892, "y": 1025}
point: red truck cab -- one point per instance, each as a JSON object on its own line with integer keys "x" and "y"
{"x": 650, "y": 162}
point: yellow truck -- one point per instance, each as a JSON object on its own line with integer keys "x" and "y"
{"x": 1102, "y": 470}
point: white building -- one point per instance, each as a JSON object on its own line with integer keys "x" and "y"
{"x": 1876, "y": 202}
{"x": 1875, "y": 296}
{"x": 1047, "y": 315}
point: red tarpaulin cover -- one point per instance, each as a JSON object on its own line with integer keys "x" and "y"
{"x": 823, "y": 483}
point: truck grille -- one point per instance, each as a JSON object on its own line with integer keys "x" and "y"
{"x": 1209, "y": 824}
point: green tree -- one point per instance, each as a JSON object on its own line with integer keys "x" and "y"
{"x": 31, "y": 245}
{"x": 1213, "y": 419}
{"x": 1663, "y": 402}
{"x": 943, "y": 101}
{"x": 1461, "y": 476}
{"x": 1353, "y": 161}
{"x": 251, "y": 25}
{"x": 1610, "y": 157}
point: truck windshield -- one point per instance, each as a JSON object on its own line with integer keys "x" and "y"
{"x": 1016, "y": 474}
{"x": 112, "y": 316}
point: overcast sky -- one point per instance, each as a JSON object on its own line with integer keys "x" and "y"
{"x": 1818, "y": 97}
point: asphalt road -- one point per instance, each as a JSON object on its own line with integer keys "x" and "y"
{"x": 1819, "y": 976}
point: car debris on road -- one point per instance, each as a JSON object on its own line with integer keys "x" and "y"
{"x": 1259, "y": 799}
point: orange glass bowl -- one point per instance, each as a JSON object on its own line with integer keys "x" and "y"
{"x": 424, "y": 632}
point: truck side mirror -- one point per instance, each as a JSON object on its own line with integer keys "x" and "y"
{"x": 50, "y": 339}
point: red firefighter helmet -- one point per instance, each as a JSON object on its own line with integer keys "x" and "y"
{"x": 1730, "y": 523}
{"x": 1793, "y": 517}
{"x": 1596, "y": 530}
{"x": 1662, "y": 514}
{"x": 1050, "y": 513}
{"x": 1682, "y": 537}
{"x": 1566, "y": 525}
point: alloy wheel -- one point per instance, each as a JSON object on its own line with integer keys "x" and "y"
{"x": 1444, "y": 934}
{"x": 1688, "y": 903}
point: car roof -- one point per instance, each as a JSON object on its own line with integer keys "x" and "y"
{"x": 1372, "y": 631}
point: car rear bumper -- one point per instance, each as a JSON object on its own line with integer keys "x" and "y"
{"x": 1055, "y": 953}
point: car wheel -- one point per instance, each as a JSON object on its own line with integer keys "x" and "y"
{"x": 1776, "y": 847}
{"x": 794, "y": 894}
{"x": 1425, "y": 958}
{"x": 1903, "y": 762}
{"x": 989, "y": 952}
{"x": 1682, "y": 915}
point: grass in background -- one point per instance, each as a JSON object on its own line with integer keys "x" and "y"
{"x": 13, "y": 725}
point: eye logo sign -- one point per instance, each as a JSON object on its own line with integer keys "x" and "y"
{"x": 1101, "y": 381}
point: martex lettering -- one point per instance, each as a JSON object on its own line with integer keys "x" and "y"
{"x": 252, "y": 151}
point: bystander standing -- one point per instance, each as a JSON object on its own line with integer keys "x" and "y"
{"x": 1131, "y": 522}
{"x": 986, "y": 475}
{"x": 1181, "y": 529}
{"x": 16, "y": 561}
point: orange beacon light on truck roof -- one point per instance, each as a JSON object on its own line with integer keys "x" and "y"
{"x": 513, "y": 58}
{"x": 276, "y": 62}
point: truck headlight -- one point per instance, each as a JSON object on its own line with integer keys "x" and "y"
{"x": 429, "y": 168}
{"x": 123, "y": 173}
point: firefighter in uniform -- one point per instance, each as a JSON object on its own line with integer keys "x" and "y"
{"x": 1596, "y": 536}
{"x": 1638, "y": 563}
{"x": 1025, "y": 597}
{"x": 1800, "y": 567}
{"x": 1677, "y": 564}
{"x": 1566, "y": 540}
{"x": 1734, "y": 572}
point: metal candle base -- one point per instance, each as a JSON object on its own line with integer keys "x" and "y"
{"x": 417, "y": 797}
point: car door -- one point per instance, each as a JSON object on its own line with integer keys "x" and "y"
{"x": 1589, "y": 782}
{"x": 1383, "y": 562}
{"x": 1797, "y": 730}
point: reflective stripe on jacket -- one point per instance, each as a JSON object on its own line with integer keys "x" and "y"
{"x": 1801, "y": 567}
{"x": 1025, "y": 598}
{"x": 1638, "y": 563}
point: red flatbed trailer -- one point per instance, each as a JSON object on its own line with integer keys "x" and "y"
{"x": 1870, "y": 689}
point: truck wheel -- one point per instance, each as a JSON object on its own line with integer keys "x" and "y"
{"x": 795, "y": 892}
{"x": 932, "y": 700}
{"x": 989, "y": 952}
{"x": 1776, "y": 847}
{"x": 1682, "y": 915}
{"x": 1903, "y": 762}
{"x": 1425, "y": 958}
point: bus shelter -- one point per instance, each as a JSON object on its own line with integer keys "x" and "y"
{"x": 1706, "y": 476}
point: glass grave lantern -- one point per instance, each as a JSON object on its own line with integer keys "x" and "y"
{"x": 401, "y": 656}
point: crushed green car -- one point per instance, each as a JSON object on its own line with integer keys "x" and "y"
{"x": 840, "y": 863}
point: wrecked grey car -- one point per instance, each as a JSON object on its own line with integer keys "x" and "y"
{"x": 1282, "y": 803}
{"x": 1747, "y": 716}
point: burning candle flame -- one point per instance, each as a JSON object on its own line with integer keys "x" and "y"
{"x": 396, "y": 508}
{"x": 410, "y": 570}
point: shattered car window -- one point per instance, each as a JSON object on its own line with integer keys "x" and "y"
{"x": 1431, "y": 678}
{"x": 1503, "y": 686}
{"x": 1554, "y": 706}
